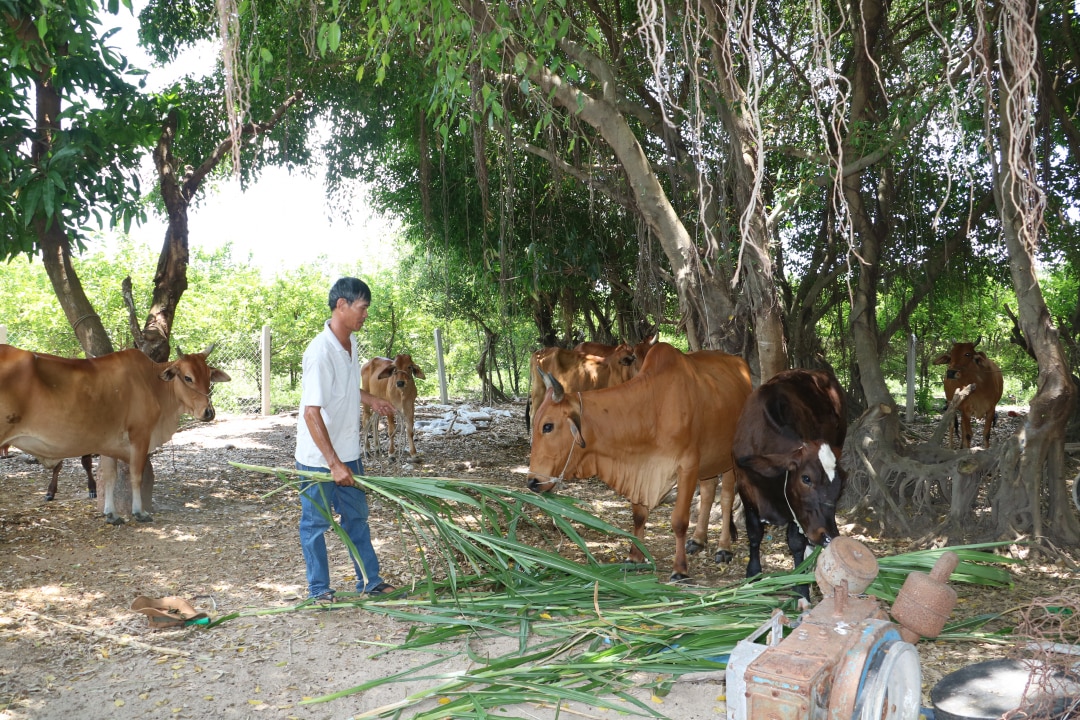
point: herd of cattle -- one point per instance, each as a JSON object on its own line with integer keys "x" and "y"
{"x": 643, "y": 419}
{"x": 646, "y": 418}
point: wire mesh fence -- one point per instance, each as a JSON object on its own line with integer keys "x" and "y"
{"x": 241, "y": 358}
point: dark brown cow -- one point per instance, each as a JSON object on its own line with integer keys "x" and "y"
{"x": 576, "y": 370}
{"x": 88, "y": 466}
{"x": 121, "y": 405}
{"x": 670, "y": 425}
{"x": 787, "y": 450}
{"x": 394, "y": 381}
{"x": 91, "y": 484}
{"x": 967, "y": 366}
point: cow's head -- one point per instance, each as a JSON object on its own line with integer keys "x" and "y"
{"x": 403, "y": 370}
{"x": 813, "y": 482}
{"x": 556, "y": 435}
{"x": 642, "y": 348}
{"x": 623, "y": 364}
{"x": 191, "y": 377}
{"x": 963, "y": 361}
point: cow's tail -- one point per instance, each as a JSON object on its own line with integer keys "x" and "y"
{"x": 528, "y": 426}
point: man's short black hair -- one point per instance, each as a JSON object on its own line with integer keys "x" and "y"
{"x": 350, "y": 288}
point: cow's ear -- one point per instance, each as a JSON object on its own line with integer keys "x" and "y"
{"x": 168, "y": 373}
{"x": 576, "y": 432}
{"x": 385, "y": 372}
{"x": 942, "y": 360}
{"x": 981, "y": 360}
{"x": 628, "y": 360}
{"x": 767, "y": 466}
{"x": 219, "y": 375}
{"x": 417, "y": 372}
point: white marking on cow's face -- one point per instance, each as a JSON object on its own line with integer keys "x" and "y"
{"x": 828, "y": 460}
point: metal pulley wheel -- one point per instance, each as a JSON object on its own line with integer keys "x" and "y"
{"x": 892, "y": 691}
{"x": 881, "y": 678}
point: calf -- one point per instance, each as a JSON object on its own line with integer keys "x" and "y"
{"x": 394, "y": 381}
{"x": 787, "y": 454}
{"x": 966, "y": 366}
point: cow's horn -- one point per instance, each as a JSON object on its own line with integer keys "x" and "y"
{"x": 555, "y": 385}
{"x": 209, "y": 349}
{"x": 977, "y": 341}
{"x": 179, "y": 352}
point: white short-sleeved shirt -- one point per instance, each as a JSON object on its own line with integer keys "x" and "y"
{"x": 331, "y": 381}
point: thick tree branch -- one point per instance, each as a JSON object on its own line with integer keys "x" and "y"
{"x": 583, "y": 176}
{"x": 251, "y": 129}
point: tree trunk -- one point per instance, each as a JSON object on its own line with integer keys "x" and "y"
{"x": 756, "y": 261}
{"x": 53, "y": 238}
{"x": 1018, "y": 501}
{"x": 705, "y": 304}
{"x": 177, "y": 191}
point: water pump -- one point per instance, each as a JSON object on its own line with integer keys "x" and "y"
{"x": 845, "y": 659}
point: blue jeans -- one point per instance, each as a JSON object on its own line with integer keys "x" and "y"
{"x": 316, "y": 501}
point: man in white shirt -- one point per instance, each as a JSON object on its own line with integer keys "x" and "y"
{"x": 328, "y": 440}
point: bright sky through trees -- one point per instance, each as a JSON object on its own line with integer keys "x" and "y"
{"x": 283, "y": 219}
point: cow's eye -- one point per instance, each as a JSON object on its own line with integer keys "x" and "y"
{"x": 188, "y": 379}
{"x": 807, "y": 481}
{"x": 548, "y": 427}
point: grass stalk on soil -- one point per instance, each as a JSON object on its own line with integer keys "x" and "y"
{"x": 586, "y": 631}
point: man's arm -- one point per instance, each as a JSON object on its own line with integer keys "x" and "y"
{"x": 338, "y": 470}
{"x": 378, "y": 404}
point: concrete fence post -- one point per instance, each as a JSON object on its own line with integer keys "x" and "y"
{"x": 265, "y": 347}
{"x": 442, "y": 366}
{"x": 3, "y": 334}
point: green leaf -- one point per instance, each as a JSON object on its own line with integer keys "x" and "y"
{"x": 520, "y": 62}
{"x": 334, "y": 36}
{"x": 266, "y": 55}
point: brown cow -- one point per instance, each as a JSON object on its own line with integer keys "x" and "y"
{"x": 604, "y": 350}
{"x": 394, "y": 381}
{"x": 576, "y": 370}
{"x": 670, "y": 425}
{"x": 121, "y": 405}
{"x": 966, "y": 365}
{"x": 787, "y": 451}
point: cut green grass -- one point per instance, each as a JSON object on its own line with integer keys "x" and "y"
{"x": 583, "y": 628}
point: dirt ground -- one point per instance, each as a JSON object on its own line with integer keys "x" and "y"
{"x": 70, "y": 647}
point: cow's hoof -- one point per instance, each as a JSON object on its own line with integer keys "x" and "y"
{"x": 144, "y": 517}
{"x": 92, "y": 495}
{"x": 679, "y": 578}
{"x": 49, "y": 496}
{"x": 693, "y": 547}
{"x": 723, "y": 556}
{"x": 114, "y": 519}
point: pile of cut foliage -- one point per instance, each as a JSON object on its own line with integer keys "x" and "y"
{"x": 586, "y": 631}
